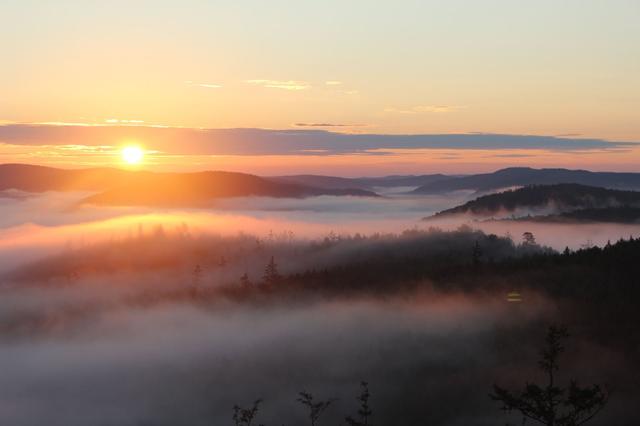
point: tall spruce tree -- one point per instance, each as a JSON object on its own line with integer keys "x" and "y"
{"x": 551, "y": 404}
{"x": 271, "y": 275}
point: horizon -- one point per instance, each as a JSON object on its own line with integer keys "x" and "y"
{"x": 306, "y": 151}
{"x": 139, "y": 169}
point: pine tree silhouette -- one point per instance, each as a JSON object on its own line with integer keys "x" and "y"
{"x": 245, "y": 282}
{"x": 476, "y": 254}
{"x": 528, "y": 239}
{"x": 271, "y": 275}
{"x": 550, "y": 404}
{"x": 245, "y": 416}
{"x": 364, "y": 412}
{"x": 315, "y": 408}
{"x": 197, "y": 279}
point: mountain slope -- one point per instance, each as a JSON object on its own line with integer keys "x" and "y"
{"x": 623, "y": 214}
{"x": 522, "y": 176}
{"x": 361, "y": 183}
{"x": 199, "y": 189}
{"x": 545, "y": 199}
{"x": 30, "y": 178}
{"x": 401, "y": 180}
{"x": 122, "y": 187}
{"x": 319, "y": 181}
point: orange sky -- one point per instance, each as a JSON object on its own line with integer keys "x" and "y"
{"x": 428, "y": 67}
{"x": 410, "y": 161}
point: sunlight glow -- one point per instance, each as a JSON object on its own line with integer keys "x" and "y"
{"x": 132, "y": 154}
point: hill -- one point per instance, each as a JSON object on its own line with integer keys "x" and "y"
{"x": 30, "y": 178}
{"x": 623, "y": 214}
{"x": 360, "y": 183}
{"x": 319, "y": 181}
{"x": 547, "y": 200}
{"x": 124, "y": 187}
{"x": 522, "y": 176}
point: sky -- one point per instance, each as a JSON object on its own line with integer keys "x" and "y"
{"x": 566, "y": 69}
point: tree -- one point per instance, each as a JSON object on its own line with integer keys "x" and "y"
{"x": 315, "y": 408}
{"x": 197, "y": 279}
{"x": 364, "y": 412}
{"x": 271, "y": 275}
{"x": 550, "y": 404}
{"x": 245, "y": 282}
{"x": 245, "y": 416}
{"x": 476, "y": 254}
{"x": 528, "y": 239}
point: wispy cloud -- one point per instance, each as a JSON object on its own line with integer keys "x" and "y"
{"x": 449, "y": 157}
{"x": 118, "y": 121}
{"x": 509, "y": 155}
{"x": 85, "y": 148}
{"x": 301, "y": 140}
{"x": 338, "y": 86}
{"x": 282, "y": 84}
{"x": 328, "y": 125}
{"x": 568, "y": 135}
{"x": 205, "y": 85}
{"x": 419, "y": 109}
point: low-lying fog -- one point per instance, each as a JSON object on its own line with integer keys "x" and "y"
{"x": 32, "y": 225}
{"x": 75, "y": 355}
{"x": 184, "y": 365}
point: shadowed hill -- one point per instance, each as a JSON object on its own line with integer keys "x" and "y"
{"x": 123, "y": 187}
{"x": 557, "y": 198}
{"x": 402, "y": 180}
{"x": 361, "y": 183}
{"x": 623, "y": 214}
{"x": 522, "y": 176}
{"x": 30, "y": 178}
{"x": 199, "y": 189}
{"x": 319, "y": 181}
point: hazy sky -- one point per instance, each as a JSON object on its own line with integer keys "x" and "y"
{"x": 544, "y": 67}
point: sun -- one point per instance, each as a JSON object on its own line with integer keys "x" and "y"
{"x": 132, "y": 154}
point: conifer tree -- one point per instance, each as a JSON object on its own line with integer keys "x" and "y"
{"x": 245, "y": 281}
{"x": 245, "y": 416}
{"x": 271, "y": 275}
{"x": 315, "y": 408}
{"x": 364, "y": 412}
{"x": 551, "y": 404}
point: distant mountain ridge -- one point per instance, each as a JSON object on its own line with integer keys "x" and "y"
{"x": 124, "y": 187}
{"x": 367, "y": 183}
{"x": 522, "y": 176}
{"x": 549, "y": 200}
{"x": 128, "y": 187}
